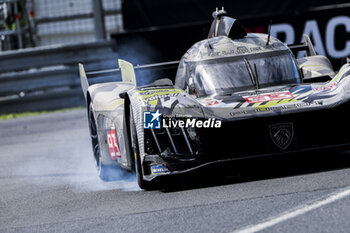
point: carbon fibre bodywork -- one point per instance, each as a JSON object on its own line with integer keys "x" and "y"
{"x": 277, "y": 117}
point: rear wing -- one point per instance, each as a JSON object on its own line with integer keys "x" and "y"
{"x": 306, "y": 46}
{"x": 83, "y": 79}
{"x": 126, "y": 70}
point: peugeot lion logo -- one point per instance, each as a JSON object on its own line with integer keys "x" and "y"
{"x": 282, "y": 134}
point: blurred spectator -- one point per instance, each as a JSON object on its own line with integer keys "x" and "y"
{"x": 15, "y": 12}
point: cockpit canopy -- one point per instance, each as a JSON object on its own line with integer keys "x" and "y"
{"x": 231, "y": 60}
{"x": 227, "y": 75}
{"x": 227, "y": 65}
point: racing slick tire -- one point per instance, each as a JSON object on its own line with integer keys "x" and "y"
{"x": 105, "y": 172}
{"x": 134, "y": 146}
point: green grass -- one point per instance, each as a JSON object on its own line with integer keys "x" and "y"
{"x": 8, "y": 116}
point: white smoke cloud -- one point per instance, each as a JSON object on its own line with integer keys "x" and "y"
{"x": 62, "y": 157}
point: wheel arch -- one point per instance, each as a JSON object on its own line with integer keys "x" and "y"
{"x": 127, "y": 133}
{"x": 88, "y": 101}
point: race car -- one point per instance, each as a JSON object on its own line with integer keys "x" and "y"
{"x": 236, "y": 96}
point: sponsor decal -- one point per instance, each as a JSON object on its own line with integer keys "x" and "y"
{"x": 154, "y": 120}
{"x": 159, "y": 92}
{"x": 155, "y": 97}
{"x": 254, "y": 49}
{"x": 159, "y": 169}
{"x": 268, "y": 97}
{"x": 326, "y": 87}
{"x": 259, "y": 92}
{"x": 239, "y": 50}
{"x": 282, "y": 134}
{"x": 113, "y": 146}
{"x": 229, "y": 52}
{"x": 211, "y": 102}
{"x": 274, "y": 108}
{"x": 152, "y": 96}
{"x": 151, "y": 120}
{"x": 242, "y": 50}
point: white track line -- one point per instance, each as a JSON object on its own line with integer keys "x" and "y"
{"x": 296, "y": 212}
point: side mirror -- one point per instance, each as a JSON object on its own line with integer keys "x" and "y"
{"x": 122, "y": 95}
{"x": 191, "y": 89}
{"x": 190, "y": 86}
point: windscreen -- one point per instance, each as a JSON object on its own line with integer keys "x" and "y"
{"x": 224, "y": 76}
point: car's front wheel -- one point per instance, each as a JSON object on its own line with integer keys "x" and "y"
{"x": 135, "y": 152}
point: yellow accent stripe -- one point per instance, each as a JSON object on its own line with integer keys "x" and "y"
{"x": 160, "y": 92}
{"x": 153, "y": 102}
{"x": 157, "y": 90}
{"x": 339, "y": 74}
{"x": 274, "y": 103}
{"x": 114, "y": 104}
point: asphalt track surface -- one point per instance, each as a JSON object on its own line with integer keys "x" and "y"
{"x": 48, "y": 183}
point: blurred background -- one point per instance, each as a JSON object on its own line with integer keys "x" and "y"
{"x": 32, "y": 23}
{"x": 41, "y": 41}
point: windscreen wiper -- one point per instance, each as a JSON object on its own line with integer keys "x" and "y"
{"x": 253, "y": 77}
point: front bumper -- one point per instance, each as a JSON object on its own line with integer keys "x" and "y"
{"x": 186, "y": 168}
{"x": 312, "y": 130}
